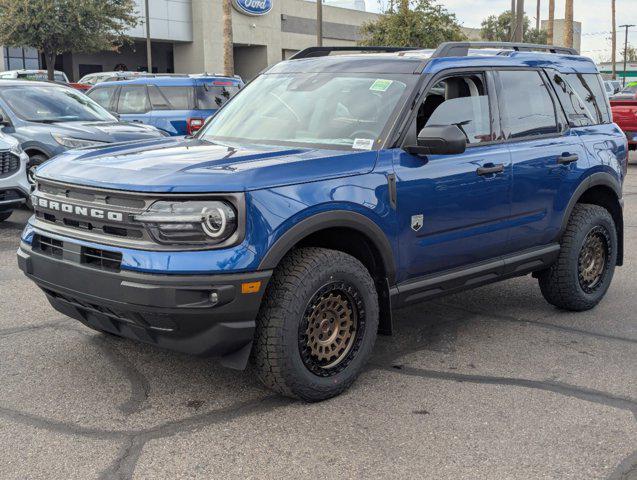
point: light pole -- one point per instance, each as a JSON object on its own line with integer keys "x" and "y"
{"x": 625, "y": 50}
{"x": 319, "y": 23}
{"x": 149, "y": 53}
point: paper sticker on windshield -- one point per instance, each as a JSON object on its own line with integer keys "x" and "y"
{"x": 363, "y": 144}
{"x": 380, "y": 85}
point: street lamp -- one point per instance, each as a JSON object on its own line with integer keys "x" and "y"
{"x": 625, "y": 50}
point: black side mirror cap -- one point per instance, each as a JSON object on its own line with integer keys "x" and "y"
{"x": 439, "y": 140}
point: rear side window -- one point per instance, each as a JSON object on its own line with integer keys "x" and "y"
{"x": 212, "y": 97}
{"x": 179, "y": 98}
{"x": 526, "y": 106}
{"x": 589, "y": 88}
{"x": 133, "y": 99}
{"x": 103, "y": 96}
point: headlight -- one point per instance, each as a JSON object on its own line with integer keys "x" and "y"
{"x": 193, "y": 223}
{"x": 72, "y": 142}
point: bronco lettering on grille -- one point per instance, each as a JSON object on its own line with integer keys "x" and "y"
{"x": 97, "y": 213}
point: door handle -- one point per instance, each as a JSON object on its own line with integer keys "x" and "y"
{"x": 566, "y": 159}
{"x": 499, "y": 168}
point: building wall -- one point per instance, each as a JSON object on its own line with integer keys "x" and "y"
{"x": 169, "y": 20}
{"x": 559, "y": 33}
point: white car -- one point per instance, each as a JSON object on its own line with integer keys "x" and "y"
{"x": 14, "y": 185}
{"x": 33, "y": 75}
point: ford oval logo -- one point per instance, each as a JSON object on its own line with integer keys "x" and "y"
{"x": 253, "y": 7}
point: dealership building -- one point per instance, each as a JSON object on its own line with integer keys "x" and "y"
{"x": 187, "y": 37}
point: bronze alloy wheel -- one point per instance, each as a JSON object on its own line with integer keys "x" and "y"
{"x": 332, "y": 329}
{"x": 593, "y": 259}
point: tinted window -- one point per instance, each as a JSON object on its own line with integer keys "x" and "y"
{"x": 460, "y": 101}
{"x": 589, "y": 88}
{"x": 103, "y": 96}
{"x": 577, "y": 109}
{"x": 179, "y": 98}
{"x": 133, "y": 99}
{"x": 211, "y": 97}
{"x": 525, "y": 104}
{"x": 157, "y": 99}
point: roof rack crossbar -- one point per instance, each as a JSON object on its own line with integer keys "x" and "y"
{"x": 325, "y": 51}
{"x": 461, "y": 49}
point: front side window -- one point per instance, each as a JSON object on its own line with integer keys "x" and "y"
{"x": 345, "y": 110}
{"x": 526, "y": 106}
{"x": 460, "y": 101}
{"x": 133, "y": 99}
{"x": 47, "y": 104}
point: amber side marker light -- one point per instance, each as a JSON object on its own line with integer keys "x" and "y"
{"x": 250, "y": 287}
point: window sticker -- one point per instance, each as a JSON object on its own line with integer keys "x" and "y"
{"x": 380, "y": 85}
{"x": 363, "y": 144}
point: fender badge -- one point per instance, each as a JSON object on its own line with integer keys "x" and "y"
{"x": 416, "y": 222}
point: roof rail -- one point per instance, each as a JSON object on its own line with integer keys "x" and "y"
{"x": 325, "y": 51}
{"x": 461, "y": 49}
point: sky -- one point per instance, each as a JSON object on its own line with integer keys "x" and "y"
{"x": 595, "y": 16}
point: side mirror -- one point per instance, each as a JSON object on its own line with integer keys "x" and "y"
{"x": 439, "y": 140}
{"x": 4, "y": 121}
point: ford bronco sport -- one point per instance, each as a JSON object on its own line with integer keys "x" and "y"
{"x": 331, "y": 190}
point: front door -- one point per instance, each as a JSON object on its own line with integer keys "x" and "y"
{"x": 453, "y": 211}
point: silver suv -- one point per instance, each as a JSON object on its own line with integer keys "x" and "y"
{"x": 14, "y": 186}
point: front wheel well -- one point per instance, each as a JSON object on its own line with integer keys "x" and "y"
{"x": 606, "y": 198}
{"x": 34, "y": 151}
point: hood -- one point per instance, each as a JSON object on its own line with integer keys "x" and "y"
{"x": 191, "y": 165}
{"x": 110, "y": 132}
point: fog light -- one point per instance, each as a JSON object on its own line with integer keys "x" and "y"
{"x": 214, "y": 298}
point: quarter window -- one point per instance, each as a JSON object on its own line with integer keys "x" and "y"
{"x": 589, "y": 88}
{"x": 133, "y": 99}
{"x": 526, "y": 106}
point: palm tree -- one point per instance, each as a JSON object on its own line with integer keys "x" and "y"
{"x": 614, "y": 40}
{"x": 568, "y": 20}
{"x": 550, "y": 24}
{"x": 228, "y": 56}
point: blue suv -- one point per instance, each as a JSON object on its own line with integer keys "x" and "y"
{"x": 177, "y": 105}
{"x": 332, "y": 190}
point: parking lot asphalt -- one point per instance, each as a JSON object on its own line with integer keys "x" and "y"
{"x": 488, "y": 384}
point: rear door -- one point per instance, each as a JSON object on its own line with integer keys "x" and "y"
{"x": 133, "y": 104}
{"x": 172, "y": 107}
{"x": 548, "y": 156}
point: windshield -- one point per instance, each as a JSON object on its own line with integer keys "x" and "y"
{"x": 338, "y": 110}
{"x": 46, "y": 104}
{"x": 42, "y": 76}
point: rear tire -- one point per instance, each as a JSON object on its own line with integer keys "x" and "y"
{"x": 317, "y": 325}
{"x": 580, "y": 277}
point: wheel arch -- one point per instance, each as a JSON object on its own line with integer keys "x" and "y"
{"x": 352, "y": 233}
{"x": 604, "y": 190}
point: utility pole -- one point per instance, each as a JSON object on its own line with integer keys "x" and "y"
{"x": 519, "y": 22}
{"x": 512, "y": 27}
{"x": 149, "y": 52}
{"x": 319, "y": 23}
{"x": 537, "y": 15}
{"x": 625, "y": 50}
{"x": 551, "y": 23}
{"x": 568, "y": 20}
{"x": 614, "y": 41}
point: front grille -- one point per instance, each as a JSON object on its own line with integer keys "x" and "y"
{"x": 9, "y": 164}
{"x": 92, "y": 257}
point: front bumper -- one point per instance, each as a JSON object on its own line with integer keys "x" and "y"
{"x": 15, "y": 189}
{"x": 171, "y": 311}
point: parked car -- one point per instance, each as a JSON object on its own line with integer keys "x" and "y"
{"x": 331, "y": 190}
{"x": 178, "y": 105}
{"x": 14, "y": 186}
{"x": 48, "y": 119}
{"x": 625, "y": 115}
{"x": 610, "y": 90}
{"x": 629, "y": 92}
{"x": 92, "y": 79}
{"x": 616, "y": 85}
{"x": 39, "y": 75}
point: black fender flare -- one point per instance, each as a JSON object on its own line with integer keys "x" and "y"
{"x": 332, "y": 219}
{"x": 597, "y": 179}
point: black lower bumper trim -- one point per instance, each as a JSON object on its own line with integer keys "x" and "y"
{"x": 177, "y": 312}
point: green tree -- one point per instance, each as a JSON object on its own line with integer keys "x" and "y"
{"x": 498, "y": 29}
{"x": 631, "y": 54}
{"x": 54, "y": 27}
{"x": 419, "y": 23}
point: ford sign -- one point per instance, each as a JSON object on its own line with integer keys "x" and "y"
{"x": 253, "y": 7}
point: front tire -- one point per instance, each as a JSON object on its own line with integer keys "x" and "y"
{"x": 580, "y": 277}
{"x": 34, "y": 161}
{"x": 317, "y": 325}
{"x": 5, "y": 215}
